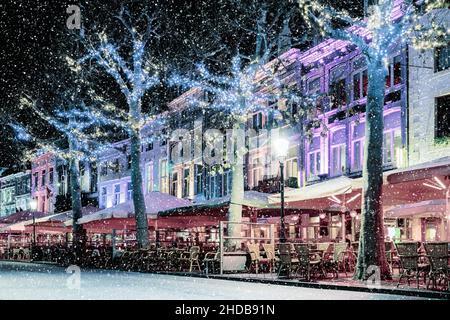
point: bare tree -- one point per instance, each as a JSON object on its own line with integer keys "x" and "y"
{"x": 135, "y": 73}
{"x": 80, "y": 126}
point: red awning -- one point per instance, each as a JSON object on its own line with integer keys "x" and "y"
{"x": 21, "y": 216}
{"x": 423, "y": 171}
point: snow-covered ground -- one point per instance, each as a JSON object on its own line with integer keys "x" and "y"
{"x": 28, "y": 281}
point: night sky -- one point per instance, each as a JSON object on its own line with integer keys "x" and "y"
{"x": 35, "y": 41}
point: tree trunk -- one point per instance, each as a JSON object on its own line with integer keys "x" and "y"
{"x": 237, "y": 189}
{"x": 371, "y": 241}
{"x": 136, "y": 182}
{"x": 75, "y": 191}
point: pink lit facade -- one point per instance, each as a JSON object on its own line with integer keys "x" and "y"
{"x": 44, "y": 182}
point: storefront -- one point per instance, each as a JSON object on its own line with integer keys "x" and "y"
{"x": 418, "y": 199}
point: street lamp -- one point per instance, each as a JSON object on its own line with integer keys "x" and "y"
{"x": 33, "y": 206}
{"x": 281, "y": 149}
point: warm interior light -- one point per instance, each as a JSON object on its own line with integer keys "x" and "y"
{"x": 439, "y": 182}
{"x": 432, "y": 186}
{"x": 334, "y": 199}
{"x": 33, "y": 204}
{"x": 353, "y": 198}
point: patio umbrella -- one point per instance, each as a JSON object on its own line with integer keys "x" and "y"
{"x": 154, "y": 203}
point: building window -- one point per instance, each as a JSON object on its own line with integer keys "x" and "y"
{"x": 174, "y": 184}
{"x": 116, "y": 199}
{"x": 314, "y": 159}
{"x": 257, "y": 121}
{"x": 149, "y": 146}
{"x": 227, "y": 180}
{"x": 103, "y": 195}
{"x": 129, "y": 190}
{"x": 36, "y": 180}
{"x": 360, "y": 82}
{"x": 104, "y": 170}
{"x": 50, "y": 176}
{"x": 115, "y": 165}
{"x": 257, "y": 172}
{"x": 338, "y": 93}
{"x": 212, "y": 186}
{"x": 163, "y": 141}
{"x": 163, "y": 177}
{"x": 391, "y": 146}
{"x": 394, "y": 75}
{"x": 357, "y": 153}
{"x": 314, "y": 86}
{"x": 198, "y": 179}
{"x": 337, "y": 159}
{"x": 128, "y": 161}
{"x": 61, "y": 180}
{"x": 442, "y": 117}
{"x": 186, "y": 181}
{"x": 442, "y": 58}
{"x": 291, "y": 167}
{"x": 218, "y": 190}
{"x": 314, "y": 163}
{"x": 150, "y": 178}
{"x": 216, "y": 185}
{"x": 337, "y": 88}
{"x": 44, "y": 178}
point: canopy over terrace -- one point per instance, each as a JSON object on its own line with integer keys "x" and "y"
{"x": 121, "y": 217}
{"x": 15, "y": 223}
{"x": 341, "y": 191}
{"x": 211, "y": 212}
{"x": 59, "y": 222}
{"x": 426, "y": 181}
{"x": 422, "y": 192}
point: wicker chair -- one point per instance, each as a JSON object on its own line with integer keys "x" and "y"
{"x": 437, "y": 254}
{"x": 338, "y": 259}
{"x": 287, "y": 263}
{"x": 409, "y": 261}
{"x": 212, "y": 259}
{"x": 192, "y": 258}
{"x": 125, "y": 260}
{"x": 269, "y": 249}
{"x": 255, "y": 257}
{"x": 306, "y": 265}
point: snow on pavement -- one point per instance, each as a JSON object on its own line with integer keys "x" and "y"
{"x": 41, "y": 282}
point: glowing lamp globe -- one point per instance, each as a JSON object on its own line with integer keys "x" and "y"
{"x": 281, "y": 147}
{"x": 33, "y": 204}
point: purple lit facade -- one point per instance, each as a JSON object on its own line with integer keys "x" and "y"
{"x": 336, "y": 147}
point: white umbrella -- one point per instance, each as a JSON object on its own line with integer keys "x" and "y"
{"x": 154, "y": 203}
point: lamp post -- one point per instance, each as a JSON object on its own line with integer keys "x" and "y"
{"x": 33, "y": 206}
{"x": 281, "y": 149}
